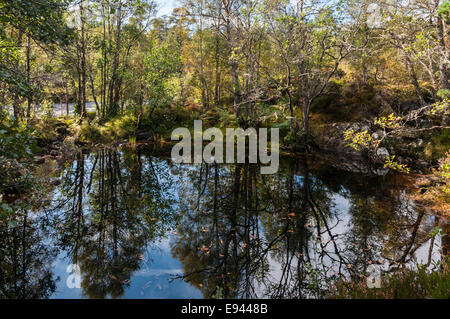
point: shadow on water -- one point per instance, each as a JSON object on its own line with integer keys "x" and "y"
{"x": 140, "y": 226}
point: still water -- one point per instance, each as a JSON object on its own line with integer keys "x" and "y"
{"x": 139, "y": 226}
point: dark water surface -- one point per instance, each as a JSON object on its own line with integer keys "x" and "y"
{"x": 139, "y": 226}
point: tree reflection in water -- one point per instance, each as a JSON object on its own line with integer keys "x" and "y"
{"x": 239, "y": 234}
{"x": 245, "y": 235}
{"x": 110, "y": 213}
{"x": 25, "y": 258}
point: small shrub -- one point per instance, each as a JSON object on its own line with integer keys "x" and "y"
{"x": 406, "y": 283}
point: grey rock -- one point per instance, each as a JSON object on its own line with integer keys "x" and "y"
{"x": 377, "y": 135}
{"x": 364, "y": 128}
{"x": 383, "y": 153}
{"x": 382, "y": 171}
{"x": 355, "y": 127}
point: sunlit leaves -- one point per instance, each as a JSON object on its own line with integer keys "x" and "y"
{"x": 357, "y": 140}
{"x": 161, "y": 62}
{"x": 394, "y": 165}
{"x": 388, "y": 122}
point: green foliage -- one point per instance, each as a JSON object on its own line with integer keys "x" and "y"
{"x": 392, "y": 164}
{"x": 444, "y": 9}
{"x": 17, "y": 149}
{"x": 406, "y": 283}
{"x": 15, "y": 139}
{"x": 46, "y": 110}
{"x": 42, "y": 21}
{"x": 440, "y": 108}
{"x": 439, "y": 145}
{"x": 165, "y": 120}
{"x": 444, "y": 94}
{"x": 285, "y": 131}
{"x": 161, "y": 62}
{"x": 117, "y": 128}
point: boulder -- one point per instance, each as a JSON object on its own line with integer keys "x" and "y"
{"x": 365, "y": 128}
{"x": 377, "y": 135}
{"x": 383, "y": 153}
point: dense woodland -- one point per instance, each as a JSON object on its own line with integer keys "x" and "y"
{"x": 252, "y": 60}
{"x": 295, "y": 65}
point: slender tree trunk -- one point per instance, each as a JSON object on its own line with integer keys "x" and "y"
{"x": 414, "y": 79}
{"x": 305, "y": 111}
{"x": 29, "y": 98}
{"x": 305, "y": 101}
{"x": 104, "y": 66}
{"x": 292, "y": 120}
{"x": 115, "y": 81}
{"x": 67, "y": 100}
{"x": 16, "y": 106}
{"x": 205, "y": 90}
{"x": 217, "y": 75}
{"x": 233, "y": 62}
{"x": 444, "y": 54}
{"x": 83, "y": 62}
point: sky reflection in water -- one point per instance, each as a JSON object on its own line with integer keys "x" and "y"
{"x": 140, "y": 226}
